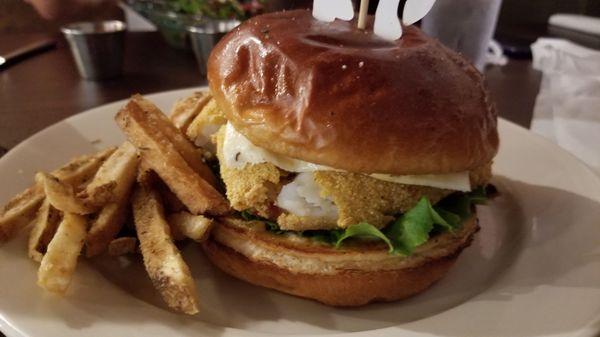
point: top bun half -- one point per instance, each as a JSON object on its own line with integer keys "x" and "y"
{"x": 331, "y": 94}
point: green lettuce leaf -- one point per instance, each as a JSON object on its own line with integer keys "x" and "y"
{"x": 478, "y": 196}
{"x": 363, "y": 229}
{"x": 461, "y": 203}
{"x": 454, "y": 220}
{"x": 223, "y": 9}
{"x": 458, "y": 204}
{"x": 406, "y": 233}
{"x": 439, "y": 219}
{"x": 413, "y": 227}
{"x": 270, "y": 225}
{"x": 248, "y": 216}
{"x": 324, "y": 236}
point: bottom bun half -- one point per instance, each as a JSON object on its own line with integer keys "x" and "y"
{"x": 354, "y": 275}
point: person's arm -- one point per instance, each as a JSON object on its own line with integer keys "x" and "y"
{"x": 58, "y": 9}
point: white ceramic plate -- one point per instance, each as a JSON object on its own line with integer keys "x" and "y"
{"x": 533, "y": 270}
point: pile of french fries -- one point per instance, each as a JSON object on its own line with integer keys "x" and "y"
{"x": 157, "y": 180}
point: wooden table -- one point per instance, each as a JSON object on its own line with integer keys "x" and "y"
{"x": 46, "y": 88}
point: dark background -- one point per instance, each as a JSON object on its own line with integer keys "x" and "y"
{"x": 520, "y": 20}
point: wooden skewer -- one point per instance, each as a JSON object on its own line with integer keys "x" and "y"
{"x": 362, "y": 14}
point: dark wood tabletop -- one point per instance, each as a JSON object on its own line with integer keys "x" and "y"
{"x": 46, "y": 88}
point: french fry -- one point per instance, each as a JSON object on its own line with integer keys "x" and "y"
{"x": 161, "y": 155}
{"x": 114, "y": 178}
{"x": 61, "y": 195}
{"x": 21, "y": 210}
{"x": 122, "y": 246}
{"x": 171, "y": 204}
{"x": 170, "y": 200}
{"x": 169, "y": 273}
{"x": 145, "y": 174}
{"x": 81, "y": 169}
{"x": 195, "y": 227}
{"x": 206, "y": 123}
{"x": 45, "y": 225}
{"x": 119, "y": 170}
{"x": 185, "y": 110}
{"x": 60, "y": 260}
{"x": 151, "y": 114}
{"x": 105, "y": 227}
{"x": 176, "y": 234}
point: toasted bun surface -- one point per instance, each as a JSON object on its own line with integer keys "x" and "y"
{"x": 353, "y": 276}
{"x": 331, "y": 94}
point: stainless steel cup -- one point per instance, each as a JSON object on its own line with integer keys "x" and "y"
{"x": 97, "y": 48}
{"x": 205, "y": 36}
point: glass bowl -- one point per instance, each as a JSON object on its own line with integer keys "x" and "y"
{"x": 172, "y": 25}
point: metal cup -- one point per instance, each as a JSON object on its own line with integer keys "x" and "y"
{"x": 97, "y": 48}
{"x": 205, "y": 36}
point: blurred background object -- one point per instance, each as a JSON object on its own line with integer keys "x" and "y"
{"x": 97, "y": 48}
{"x": 47, "y": 16}
{"x": 173, "y": 17}
{"x": 519, "y": 23}
{"x": 567, "y": 109}
{"x": 464, "y": 25}
{"x": 467, "y": 26}
{"x": 49, "y": 81}
{"x": 28, "y": 46}
{"x": 205, "y": 36}
{"x": 581, "y": 29}
{"x": 522, "y": 22}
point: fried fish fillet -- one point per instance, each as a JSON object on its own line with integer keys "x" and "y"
{"x": 358, "y": 197}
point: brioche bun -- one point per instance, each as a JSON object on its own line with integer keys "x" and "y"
{"x": 331, "y": 94}
{"x": 353, "y": 275}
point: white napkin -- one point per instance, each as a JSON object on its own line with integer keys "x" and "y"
{"x": 567, "y": 109}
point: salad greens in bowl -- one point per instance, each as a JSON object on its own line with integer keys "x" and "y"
{"x": 172, "y": 17}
